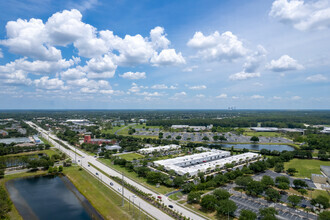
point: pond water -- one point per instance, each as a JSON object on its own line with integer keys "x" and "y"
{"x": 49, "y": 197}
{"x": 279, "y": 147}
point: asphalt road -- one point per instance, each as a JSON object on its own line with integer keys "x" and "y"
{"x": 85, "y": 159}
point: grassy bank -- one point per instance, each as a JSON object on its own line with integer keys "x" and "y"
{"x": 143, "y": 181}
{"x": 103, "y": 199}
{"x": 306, "y": 167}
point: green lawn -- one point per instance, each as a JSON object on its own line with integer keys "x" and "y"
{"x": 161, "y": 189}
{"x": 49, "y": 152}
{"x": 131, "y": 156}
{"x": 176, "y": 196}
{"x": 306, "y": 167}
{"x": 263, "y": 134}
{"x": 144, "y": 125}
{"x": 106, "y": 201}
{"x": 112, "y": 131}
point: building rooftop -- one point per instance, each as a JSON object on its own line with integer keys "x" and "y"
{"x": 326, "y": 170}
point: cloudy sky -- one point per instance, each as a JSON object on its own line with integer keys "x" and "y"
{"x": 201, "y": 54}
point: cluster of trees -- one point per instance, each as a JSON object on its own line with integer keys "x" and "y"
{"x": 69, "y": 136}
{"x": 153, "y": 177}
{"x": 45, "y": 162}
{"x": 55, "y": 169}
{"x": 11, "y": 149}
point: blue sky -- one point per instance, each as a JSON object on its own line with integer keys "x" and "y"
{"x": 94, "y": 54}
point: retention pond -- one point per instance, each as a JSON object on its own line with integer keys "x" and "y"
{"x": 49, "y": 197}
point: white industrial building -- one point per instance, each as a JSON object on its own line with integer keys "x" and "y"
{"x": 160, "y": 148}
{"x": 195, "y": 128}
{"x": 202, "y": 162}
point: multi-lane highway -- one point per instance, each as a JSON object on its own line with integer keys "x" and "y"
{"x": 84, "y": 160}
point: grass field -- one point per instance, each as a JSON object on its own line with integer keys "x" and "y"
{"x": 144, "y": 125}
{"x": 263, "y": 134}
{"x": 161, "y": 189}
{"x": 112, "y": 131}
{"x": 176, "y": 196}
{"x": 306, "y": 167}
{"x": 105, "y": 201}
{"x": 131, "y": 156}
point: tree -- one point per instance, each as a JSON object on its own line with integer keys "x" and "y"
{"x": 325, "y": 215}
{"x": 294, "y": 200}
{"x": 178, "y": 181}
{"x": 226, "y": 207}
{"x": 255, "y": 188}
{"x": 273, "y": 195}
{"x": 291, "y": 171}
{"x": 50, "y": 169}
{"x": 302, "y": 191}
{"x": 205, "y": 138}
{"x": 282, "y": 179}
{"x": 283, "y": 185}
{"x": 254, "y": 139}
{"x": 178, "y": 137}
{"x": 279, "y": 167}
{"x": 60, "y": 169}
{"x": 194, "y": 197}
{"x": 267, "y": 181}
{"x": 243, "y": 181}
{"x": 221, "y": 194}
{"x": 188, "y": 187}
{"x": 299, "y": 184}
{"x": 268, "y": 213}
{"x": 153, "y": 177}
{"x": 322, "y": 200}
{"x": 209, "y": 202}
{"x": 247, "y": 215}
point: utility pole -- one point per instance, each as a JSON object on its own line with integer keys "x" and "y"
{"x": 122, "y": 188}
{"x": 139, "y": 210}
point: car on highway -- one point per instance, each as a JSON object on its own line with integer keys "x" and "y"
{"x": 97, "y": 173}
{"x": 134, "y": 196}
{"x": 159, "y": 197}
{"x": 171, "y": 206}
{"x": 89, "y": 165}
{"x": 111, "y": 183}
{"x": 119, "y": 189}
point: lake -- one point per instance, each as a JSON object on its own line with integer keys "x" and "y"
{"x": 49, "y": 197}
{"x": 260, "y": 146}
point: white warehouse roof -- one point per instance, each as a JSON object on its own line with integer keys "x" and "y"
{"x": 192, "y": 164}
{"x": 160, "y": 148}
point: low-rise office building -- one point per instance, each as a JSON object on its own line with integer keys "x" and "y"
{"x": 158, "y": 149}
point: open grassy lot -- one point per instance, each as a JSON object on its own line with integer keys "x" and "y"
{"x": 196, "y": 207}
{"x": 131, "y": 156}
{"x": 263, "y": 134}
{"x": 104, "y": 200}
{"x": 145, "y": 126}
{"x": 306, "y": 167}
{"x": 176, "y": 196}
{"x": 112, "y": 131}
{"x": 162, "y": 189}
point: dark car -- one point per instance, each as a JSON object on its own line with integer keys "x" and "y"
{"x": 303, "y": 206}
{"x": 170, "y": 206}
{"x": 111, "y": 183}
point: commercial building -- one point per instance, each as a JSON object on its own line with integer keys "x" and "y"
{"x": 195, "y": 128}
{"x": 204, "y": 162}
{"x": 160, "y": 148}
{"x": 326, "y": 130}
{"x": 89, "y": 140}
{"x": 113, "y": 147}
{"x": 272, "y": 129}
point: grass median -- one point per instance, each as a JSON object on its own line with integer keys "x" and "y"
{"x": 103, "y": 199}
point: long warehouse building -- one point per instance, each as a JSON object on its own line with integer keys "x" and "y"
{"x": 202, "y": 162}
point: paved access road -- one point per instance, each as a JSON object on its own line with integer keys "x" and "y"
{"x": 83, "y": 161}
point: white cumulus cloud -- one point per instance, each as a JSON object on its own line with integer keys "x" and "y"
{"x": 302, "y": 15}
{"x": 51, "y": 84}
{"x": 167, "y": 57}
{"x": 257, "y": 97}
{"x": 284, "y": 63}
{"x": 226, "y": 46}
{"x": 243, "y": 76}
{"x": 132, "y": 75}
{"x": 198, "y": 87}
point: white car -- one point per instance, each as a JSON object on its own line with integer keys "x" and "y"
{"x": 134, "y": 196}
{"x": 119, "y": 189}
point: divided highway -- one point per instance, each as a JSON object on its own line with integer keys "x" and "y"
{"x": 84, "y": 161}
